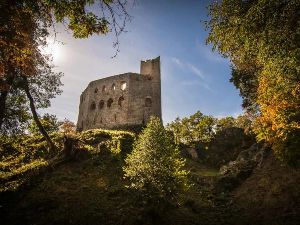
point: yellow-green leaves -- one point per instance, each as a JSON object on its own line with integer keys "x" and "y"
{"x": 261, "y": 38}
{"x": 155, "y": 166}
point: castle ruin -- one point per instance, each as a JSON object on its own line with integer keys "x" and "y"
{"x": 122, "y": 101}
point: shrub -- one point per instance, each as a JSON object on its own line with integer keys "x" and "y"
{"x": 155, "y": 167}
{"x": 117, "y": 142}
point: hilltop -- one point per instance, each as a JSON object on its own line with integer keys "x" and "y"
{"x": 88, "y": 188}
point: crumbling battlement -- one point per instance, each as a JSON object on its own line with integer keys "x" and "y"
{"x": 123, "y": 100}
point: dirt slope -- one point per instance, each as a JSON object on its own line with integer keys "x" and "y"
{"x": 271, "y": 195}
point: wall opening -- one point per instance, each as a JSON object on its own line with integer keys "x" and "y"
{"x": 103, "y": 89}
{"x": 123, "y": 85}
{"x": 148, "y": 102}
{"x": 93, "y": 106}
{"x": 115, "y": 118}
{"x": 109, "y": 102}
{"x": 113, "y": 87}
{"x": 120, "y": 101}
{"x": 96, "y": 90}
{"x": 100, "y": 119}
{"x": 101, "y": 104}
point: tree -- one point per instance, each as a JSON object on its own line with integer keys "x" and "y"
{"x": 225, "y": 122}
{"x": 186, "y": 135}
{"x": 155, "y": 166}
{"x": 49, "y": 122}
{"x": 261, "y": 37}
{"x": 68, "y": 127}
{"x": 24, "y": 28}
{"x": 245, "y": 122}
{"x": 26, "y": 74}
{"x": 196, "y": 128}
{"x": 175, "y": 128}
{"x": 205, "y": 129}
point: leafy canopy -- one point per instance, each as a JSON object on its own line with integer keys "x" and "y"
{"x": 200, "y": 128}
{"x": 261, "y": 37}
{"x": 25, "y": 26}
{"x": 49, "y": 122}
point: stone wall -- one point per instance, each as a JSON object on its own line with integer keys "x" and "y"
{"x": 122, "y": 100}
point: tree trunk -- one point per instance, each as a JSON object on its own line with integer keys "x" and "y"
{"x": 35, "y": 115}
{"x": 3, "y": 97}
{"x": 5, "y": 84}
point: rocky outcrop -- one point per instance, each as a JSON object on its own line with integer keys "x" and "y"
{"x": 240, "y": 169}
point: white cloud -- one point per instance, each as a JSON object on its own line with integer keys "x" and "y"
{"x": 197, "y": 83}
{"x": 178, "y": 62}
{"x": 188, "y": 66}
{"x": 195, "y": 70}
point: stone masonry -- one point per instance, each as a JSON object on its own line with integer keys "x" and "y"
{"x": 122, "y": 101}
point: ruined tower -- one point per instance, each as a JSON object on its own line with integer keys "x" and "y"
{"x": 122, "y": 101}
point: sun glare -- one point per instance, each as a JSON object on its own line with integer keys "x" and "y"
{"x": 55, "y": 50}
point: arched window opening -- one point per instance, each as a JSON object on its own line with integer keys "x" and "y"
{"x": 101, "y": 104}
{"x": 113, "y": 87}
{"x": 109, "y": 102}
{"x": 96, "y": 90}
{"x": 148, "y": 102}
{"x": 103, "y": 89}
{"x": 123, "y": 85}
{"x": 120, "y": 101}
{"x": 93, "y": 106}
{"x": 115, "y": 118}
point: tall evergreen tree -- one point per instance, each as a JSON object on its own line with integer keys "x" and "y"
{"x": 155, "y": 167}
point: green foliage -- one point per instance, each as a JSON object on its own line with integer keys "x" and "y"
{"x": 261, "y": 38}
{"x": 84, "y": 21}
{"x": 196, "y": 128}
{"x": 204, "y": 129}
{"x": 225, "y": 122}
{"x": 217, "y": 141}
{"x": 26, "y": 26}
{"x": 118, "y": 143}
{"x": 23, "y": 156}
{"x": 200, "y": 128}
{"x": 49, "y": 122}
{"x": 155, "y": 166}
{"x": 24, "y": 34}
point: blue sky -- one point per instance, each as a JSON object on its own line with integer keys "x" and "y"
{"x": 193, "y": 77}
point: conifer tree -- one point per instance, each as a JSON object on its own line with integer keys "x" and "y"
{"x": 155, "y": 166}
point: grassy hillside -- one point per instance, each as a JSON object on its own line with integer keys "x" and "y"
{"x": 89, "y": 188}
{"x": 93, "y": 191}
{"x": 23, "y": 157}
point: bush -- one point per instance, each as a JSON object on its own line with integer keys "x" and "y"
{"x": 155, "y": 167}
{"x": 117, "y": 142}
{"x": 22, "y": 156}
